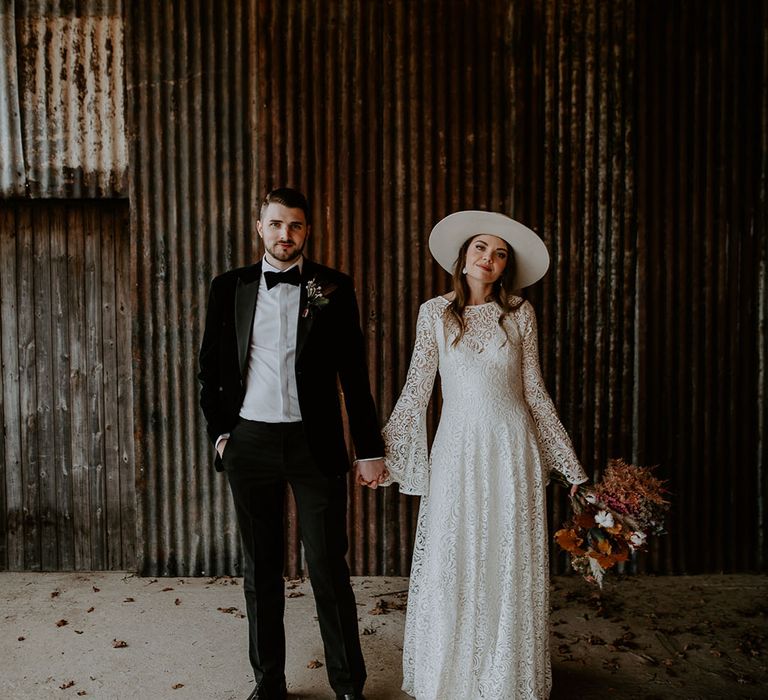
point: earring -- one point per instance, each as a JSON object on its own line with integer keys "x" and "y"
{"x": 464, "y": 271}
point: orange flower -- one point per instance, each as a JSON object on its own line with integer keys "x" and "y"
{"x": 569, "y": 541}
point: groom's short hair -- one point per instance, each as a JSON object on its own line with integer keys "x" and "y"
{"x": 288, "y": 197}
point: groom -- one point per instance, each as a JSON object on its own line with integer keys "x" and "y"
{"x": 278, "y": 335}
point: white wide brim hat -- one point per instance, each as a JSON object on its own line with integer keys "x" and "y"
{"x": 531, "y": 258}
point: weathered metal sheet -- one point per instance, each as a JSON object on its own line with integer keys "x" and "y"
{"x": 191, "y": 85}
{"x": 68, "y": 102}
{"x": 12, "y": 179}
{"x": 625, "y": 133}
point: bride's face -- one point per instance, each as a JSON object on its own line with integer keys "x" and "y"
{"x": 486, "y": 258}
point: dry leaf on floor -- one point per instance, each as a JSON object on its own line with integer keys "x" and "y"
{"x": 315, "y": 664}
{"x": 61, "y": 623}
{"x": 177, "y": 601}
{"x": 66, "y": 685}
{"x": 119, "y": 644}
{"x": 55, "y": 594}
{"x": 176, "y": 686}
{"x": 295, "y": 594}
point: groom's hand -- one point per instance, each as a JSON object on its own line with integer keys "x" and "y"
{"x": 371, "y": 472}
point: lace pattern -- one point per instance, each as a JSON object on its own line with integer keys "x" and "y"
{"x": 477, "y": 622}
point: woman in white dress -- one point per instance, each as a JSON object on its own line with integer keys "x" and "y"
{"x": 477, "y": 623}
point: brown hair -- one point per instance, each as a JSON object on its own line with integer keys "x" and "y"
{"x": 293, "y": 199}
{"x": 501, "y": 292}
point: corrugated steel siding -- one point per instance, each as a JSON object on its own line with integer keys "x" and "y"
{"x": 12, "y": 177}
{"x": 68, "y": 102}
{"x": 190, "y": 89}
{"x": 394, "y": 115}
{"x": 701, "y": 219}
{"x": 621, "y": 131}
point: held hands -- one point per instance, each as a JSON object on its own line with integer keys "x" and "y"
{"x": 574, "y": 489}
{"x": 371, "y": 473}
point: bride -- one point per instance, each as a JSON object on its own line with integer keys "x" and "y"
{"x": 477, "y": 624}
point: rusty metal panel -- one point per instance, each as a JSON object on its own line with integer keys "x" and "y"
{"x": 191, "y": 87}
{"x": 636, "y": 133}
{"x": 70, "y": 97}
{"x": 701, "y": 202}
{"x": 395, "y": 115}
{"x": 625, "y": 133}
{"x": 12, "y": 177}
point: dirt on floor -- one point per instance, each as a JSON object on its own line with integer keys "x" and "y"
{"x": 108, "y": 635}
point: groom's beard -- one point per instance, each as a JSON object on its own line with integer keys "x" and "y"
{"x": 286, "y": 253}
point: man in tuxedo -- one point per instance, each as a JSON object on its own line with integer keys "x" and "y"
{"x": 278, "y": 335}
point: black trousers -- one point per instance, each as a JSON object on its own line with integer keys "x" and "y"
{"x": 260, "y": 459}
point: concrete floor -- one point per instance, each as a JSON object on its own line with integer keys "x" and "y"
{"x": 112, "y": 635}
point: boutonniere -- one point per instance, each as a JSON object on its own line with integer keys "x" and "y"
{"x": 316, "y": 297}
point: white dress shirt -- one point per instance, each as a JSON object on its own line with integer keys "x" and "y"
{"x": 271, "y": 395}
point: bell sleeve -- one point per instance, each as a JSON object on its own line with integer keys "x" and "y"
{"x": 555, "y": 445}
{"x": 405, "y": 434}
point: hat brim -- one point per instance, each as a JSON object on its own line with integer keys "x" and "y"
{"x": 530, "y": 254}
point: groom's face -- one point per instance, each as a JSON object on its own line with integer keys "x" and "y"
{"x": 284, "y": 231}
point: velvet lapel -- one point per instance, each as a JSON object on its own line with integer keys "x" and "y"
{"x": 306, "y": 317}
{"x": 245, "y": 304}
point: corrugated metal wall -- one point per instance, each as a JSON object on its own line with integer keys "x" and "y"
{"x": 191, "y": 93}
{"x": 62, "y": 99}
{"x": 630, "y": 135}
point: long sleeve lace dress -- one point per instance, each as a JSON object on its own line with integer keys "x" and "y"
{"x": 477, "y": 623}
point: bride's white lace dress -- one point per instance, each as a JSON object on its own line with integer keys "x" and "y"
{"x": 477, "y": 623}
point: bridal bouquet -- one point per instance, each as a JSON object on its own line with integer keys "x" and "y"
{"x": 613, "y": 518}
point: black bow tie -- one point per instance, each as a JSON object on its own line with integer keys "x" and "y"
{"x": 292, "y": 276}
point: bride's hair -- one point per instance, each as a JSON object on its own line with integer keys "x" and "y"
{"x": 502, "y": 292}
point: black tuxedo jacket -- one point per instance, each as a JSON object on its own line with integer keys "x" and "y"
{"x": 329, "y": 345}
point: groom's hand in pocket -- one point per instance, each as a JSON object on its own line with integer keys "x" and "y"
{"x": 220, "y": 445}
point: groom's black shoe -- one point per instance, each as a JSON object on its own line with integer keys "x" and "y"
{"x": 262, "y": 693}
{"x": 350, "y": 696}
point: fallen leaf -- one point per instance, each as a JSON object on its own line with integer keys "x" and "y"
{"x": 167, "y": 588}
{"x": 177, "y": 601}
{"x": 55, "y": 594}
{"x": 295, "y": 594}
{"x": 21, "y": 639}
{"x": 78, "y": 631}
{"x": 176, "y": 686}
{"x": 66, "y": 685}
{"x": 381, "y": 608}
{"x": 368, "y": 631}
{"x": 129, "y": 600}
{"x": 90, "y": 610}
{"x": 61, "y": 623}
{"x": 96, "y": 590}
{"x": 82, "y": 692}
{"x": 119, "y": 644}
{"x": 314, "y": 664}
